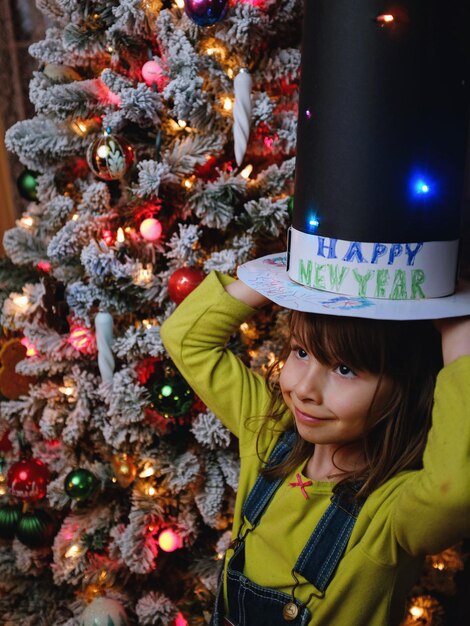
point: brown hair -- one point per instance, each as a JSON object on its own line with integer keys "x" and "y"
{"x": 407, "y": 353}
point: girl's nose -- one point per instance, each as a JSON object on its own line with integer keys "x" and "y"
{"x": 309, "y": 386}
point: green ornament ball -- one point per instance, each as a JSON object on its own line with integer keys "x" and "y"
{"x": 27, "y": 183}
{"x": 9, "y": 517}
{"x": 36, "y": 529}
{"x": 172, "y": 397}
{"x": 80, "y": 484}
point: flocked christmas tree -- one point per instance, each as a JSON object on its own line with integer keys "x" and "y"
{"x": 162, "y": 148}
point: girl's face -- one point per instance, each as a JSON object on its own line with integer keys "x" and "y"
{"x": 330, "y": 404}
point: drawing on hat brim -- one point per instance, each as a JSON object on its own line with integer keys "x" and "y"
{"x": 268, "y": 275}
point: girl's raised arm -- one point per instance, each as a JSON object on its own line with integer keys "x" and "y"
{"x": 195, "y": 336}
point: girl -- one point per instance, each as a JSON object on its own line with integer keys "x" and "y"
{"x": 344, "y": 484}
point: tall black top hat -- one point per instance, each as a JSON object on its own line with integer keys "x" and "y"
{"x": 382, "y": 139}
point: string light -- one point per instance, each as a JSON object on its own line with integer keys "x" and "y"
{"x": 73, "y": 552}
{"x": 144, "y": 275}
{"x": 189, "y": 182}
{"x": 21, "y": 301}
{"x": 246, "y": 171}
{"x": 120, "y": 237}
{"x": 227, "y": 104}
{"x": 3, "y": 487}
{"x": 79, "y": 127}
{"x": 82, "y": 127}
{"x": 26, "y": 222}
{"x": 182, "y": 123}
{"x": 416, "y": 611}
{"x": 75, "y": 217}
{"x": 30, "y": 347}
{"x": 384, "y": 19}
{"x": 147, "y": 470}
{"x": 179, "y": 4}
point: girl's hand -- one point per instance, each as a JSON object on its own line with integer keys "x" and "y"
{"x": 455, "y": 334}
{"x": 246, "y": 294}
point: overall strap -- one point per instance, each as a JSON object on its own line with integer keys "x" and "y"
{"x": 264, "y": 489}
{"x": 323, "y": 551}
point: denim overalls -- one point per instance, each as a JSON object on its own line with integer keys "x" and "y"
{"x": 253, "y": 605}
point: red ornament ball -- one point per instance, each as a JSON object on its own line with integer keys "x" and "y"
{"x": 183, "y": 281}
{"x": 28, "y": 479}
{"x": 151, "y": 72}
{"x": 151, "y": 229}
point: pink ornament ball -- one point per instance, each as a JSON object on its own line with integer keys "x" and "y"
{"x": 151, "y": 229}
{"x": 169, "y": 540}
{"x": 180, "y": 620}
{"x": 151, "y": 72}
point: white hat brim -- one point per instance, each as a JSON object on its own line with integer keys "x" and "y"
{"x": 268, "y": 276}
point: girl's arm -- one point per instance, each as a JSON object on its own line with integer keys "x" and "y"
{"x": 195, "y": 336}
{"x": 433, "y": 511}
{"x": 246, "y": 294}
{"x": 455, "y": 334}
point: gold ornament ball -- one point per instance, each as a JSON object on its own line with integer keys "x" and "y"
{"x": 124, "y": 469}
{"x": 61, "y": 73}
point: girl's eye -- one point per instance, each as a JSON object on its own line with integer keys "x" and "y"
{"x": 300, "y": 352}
{"x": 345, "y": 371}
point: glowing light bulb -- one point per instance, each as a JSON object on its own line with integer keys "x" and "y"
{"x": 73, "y": 552}
{"x": 120, "y": 236}
{"x": 30, "y": 347}
{"x": 166, "y": 391}
{"x": 246, "y": 171}
{"x": 313, "y": 223}
{"x": 151, "y": 491}
{"x": 144, "y": 275}
{"x": 66, "y": 390}
{"x": 26, "y": 221}
{"x": 386, "y": 18}
{"x": 188, "y": 183}
{"x": 179, "y": 4}
{"x": 75, "y": 217}
{"x": 416, "y": 611}
{"x": 228, "y": 104}
{"x": 21, "y": 301}
{"x": 421, "y": 187}
{"x": 182, "y": 123}
{"x": 147, "y": 470}
{"x": 230, "y": 72}
{"x": 169, "y": 540}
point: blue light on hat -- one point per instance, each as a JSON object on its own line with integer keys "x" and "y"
{"x": 313, "y": 223}
{"x": 422, "y": 187}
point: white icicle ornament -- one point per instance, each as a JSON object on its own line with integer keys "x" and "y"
{"x": 104, "y": 339}
{"x": 242, "y": 108}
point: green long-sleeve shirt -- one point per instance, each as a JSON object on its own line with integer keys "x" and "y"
{"x": 413, "y": 514}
